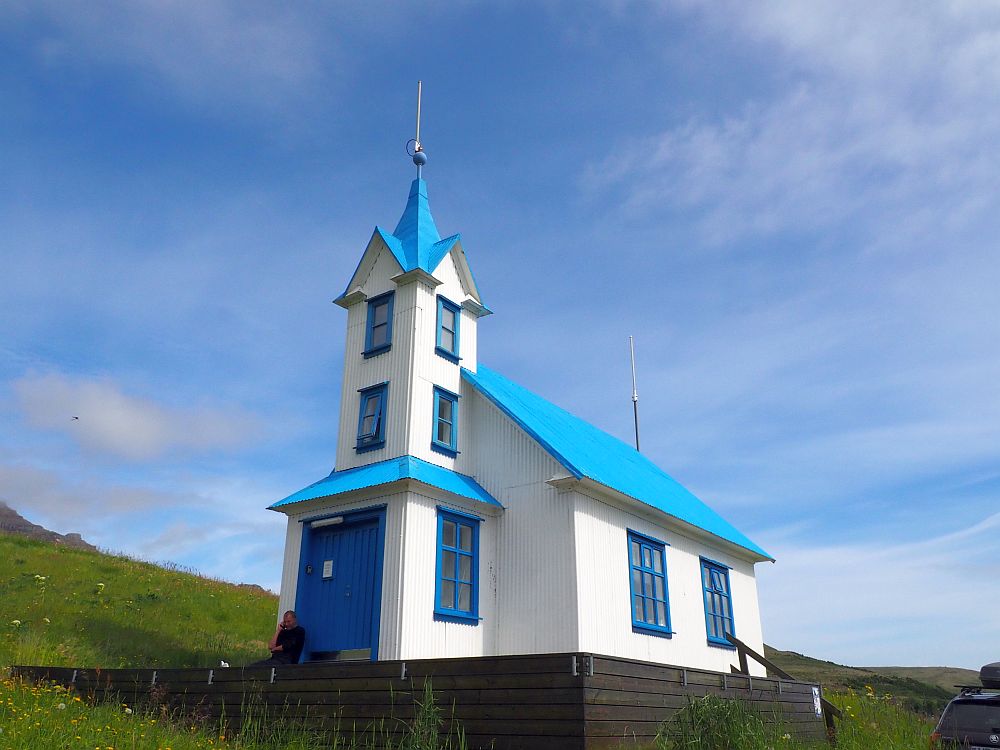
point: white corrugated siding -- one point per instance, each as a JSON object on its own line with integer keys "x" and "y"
{"x": 422, "y": 636}
{"x": 451, "y": 288}
{"x": 430, "y": 370}
{"x": 391, "y": 366}
{"x": 536, "y": 601}
{"x": 411, "y": 366}
{"x": 290, "y": 566}
{"x": 603, "y": 580}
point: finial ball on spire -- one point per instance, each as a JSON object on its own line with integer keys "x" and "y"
{"x": 420, "y": 158}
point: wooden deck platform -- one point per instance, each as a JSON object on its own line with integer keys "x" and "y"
{"x": 568, "y": 701}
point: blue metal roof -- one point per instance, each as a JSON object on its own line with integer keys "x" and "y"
{"x": 384, "y": 472}
{"x": 588, "y": 452}
{"x": 415, "y": 242}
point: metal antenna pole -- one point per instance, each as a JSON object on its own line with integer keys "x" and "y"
{"x": 417, "y": 148}
{"x": 635, "y": 393}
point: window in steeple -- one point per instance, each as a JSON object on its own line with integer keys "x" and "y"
{"x": 378, "y": 331}
{"x": 448, "y": 318}
{"x": 371, "y": 417}
{"x": 445, "y": 437}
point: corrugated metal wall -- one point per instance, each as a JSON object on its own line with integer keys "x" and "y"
{"x": 411, "y": 366}
{"x": 430, "y": 369}
{"x": 603, "y": 581}
{"x": 536, "y": 600}
{"x": 421, "y": 635}
{"x": 391, "y": 367}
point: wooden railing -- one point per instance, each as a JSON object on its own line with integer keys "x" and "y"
{"x": 743, "y": 651}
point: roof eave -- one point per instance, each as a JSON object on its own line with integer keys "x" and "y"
{"x": 380, "y": 490}
{"x": 408, "y": 467}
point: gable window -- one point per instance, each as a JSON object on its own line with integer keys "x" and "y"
{"x": 378, "y": 329}
{"x": 371, "y": 417}
{"x": 448, "y": 317}
{"x": 456, "y": 594}
{"x": 718, "y": 602}
{"x": 445, "y": 437}
{"x": 648, "y": 584}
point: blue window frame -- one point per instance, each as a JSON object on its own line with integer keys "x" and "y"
{"x": 718, "y": 602}
{"x": 456, "y": 593}
{"x": 371, "y": 417}
{"x": 445, "y": 437}
{"x": 449, "y": 317}
{"x": 648, "y": 584}
{"x": 378, "y": 329}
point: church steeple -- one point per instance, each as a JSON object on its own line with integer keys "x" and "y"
{"x": 413, "y": 308}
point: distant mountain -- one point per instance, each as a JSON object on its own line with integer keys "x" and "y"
{"x": 945, "y": 677}
{"x": 12, "y": 522}
{"x": 922, "y": 689}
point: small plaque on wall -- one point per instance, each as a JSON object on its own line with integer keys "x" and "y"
{"x": 328, "y": 568}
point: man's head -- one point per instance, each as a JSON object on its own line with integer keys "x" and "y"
{"x": 289, "y": 620}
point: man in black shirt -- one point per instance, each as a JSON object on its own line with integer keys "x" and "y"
{"x": 286, "y": 645}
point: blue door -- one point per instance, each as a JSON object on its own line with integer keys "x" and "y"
{"x": 340, "y": 597}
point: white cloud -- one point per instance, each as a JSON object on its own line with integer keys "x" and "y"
{"x": 254, "y": 52}
{"x": 131, "y": 427}
{"x": 78, "y": 504}
{"x": 877, "y": 604}
{"x": 886, "y": 108}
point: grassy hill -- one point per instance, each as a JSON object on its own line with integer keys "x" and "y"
{"x": 75, "y": 607}
{"x": 922, "y": 689}
{"x": 944, "y": 677}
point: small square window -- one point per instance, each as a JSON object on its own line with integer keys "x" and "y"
{"x": 449, "y": 316}
{"x": 445, "y": 437}
{"x": 378, "y": 329}
{"x": 371, "y": 417}
{"x": 648, "y": 585}
{"x": 718, "y": 602}
{"x": 457, "y": 589}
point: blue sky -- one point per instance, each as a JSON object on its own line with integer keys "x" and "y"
{"x": 793, "y": 207}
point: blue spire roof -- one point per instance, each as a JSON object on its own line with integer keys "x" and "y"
{"x": 415, "y": 241}
{"x": 587, "y": 452}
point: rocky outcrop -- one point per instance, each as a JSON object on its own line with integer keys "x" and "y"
{"x": 12, "y": 522}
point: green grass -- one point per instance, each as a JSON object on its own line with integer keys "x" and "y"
{"x": 71, "y": 607}
{"x": 50, "y": 716}
{"x": 870, "y": 722}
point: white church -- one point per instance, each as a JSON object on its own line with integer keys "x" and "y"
{"x": 468, "y": 516}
